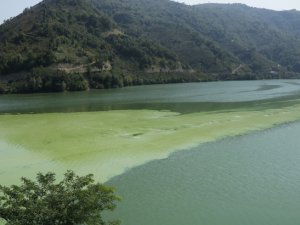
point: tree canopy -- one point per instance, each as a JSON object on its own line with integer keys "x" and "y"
{"x": 76, "y": 200}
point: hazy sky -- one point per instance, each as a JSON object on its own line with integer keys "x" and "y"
{"x": 10, "y": 8}
{"x": 269, "y": 4}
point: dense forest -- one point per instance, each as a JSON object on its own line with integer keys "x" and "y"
{"x": 71, "y": 45}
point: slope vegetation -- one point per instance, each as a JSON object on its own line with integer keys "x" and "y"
{"x": 61, "y": 45}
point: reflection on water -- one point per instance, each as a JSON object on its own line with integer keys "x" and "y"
{"x": 268, "y": 87}
{"x": 185, "y": 98}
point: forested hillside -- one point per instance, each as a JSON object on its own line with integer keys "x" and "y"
{"x": 61, "y": 45}
{"x": 216, "y": 38}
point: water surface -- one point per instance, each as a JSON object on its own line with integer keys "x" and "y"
{"x": 191, "y": 97}
{"x": 250, "y": 180}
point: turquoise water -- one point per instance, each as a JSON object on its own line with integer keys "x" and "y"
{"x": 249, "y": 180}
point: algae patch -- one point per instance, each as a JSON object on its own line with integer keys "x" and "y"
{"x": 108, "y": 143}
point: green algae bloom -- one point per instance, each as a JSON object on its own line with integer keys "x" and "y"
{"x": 108, "y": 143}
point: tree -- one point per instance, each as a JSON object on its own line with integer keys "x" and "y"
{"x": 73, "y": 201}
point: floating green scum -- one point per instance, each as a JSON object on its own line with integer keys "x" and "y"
{"x": 108, "y": 143}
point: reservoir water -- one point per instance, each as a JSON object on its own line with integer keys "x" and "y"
{"x": 241, "y": 141}
{"x": 186, "y": 98}
{"x": 250, "y": 180}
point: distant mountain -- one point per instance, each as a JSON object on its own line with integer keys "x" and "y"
{"x": 71, "y": 45}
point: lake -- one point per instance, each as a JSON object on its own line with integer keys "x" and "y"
{"x": 202, "y": 153}
{"x": 252, "y": 179}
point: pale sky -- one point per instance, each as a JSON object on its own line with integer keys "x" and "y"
{"x": 269, "y": 4}
{"x": 11, "y": 8}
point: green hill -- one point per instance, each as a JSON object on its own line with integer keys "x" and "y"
{"x": 61, "y": 45}
{"x": 216, "y": 38}
{"x": 69, "y": 45}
